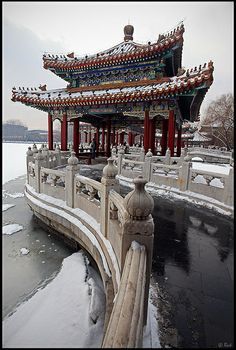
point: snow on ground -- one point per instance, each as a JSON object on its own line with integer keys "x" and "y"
{"x": 215, "y": 168}
{"x": 7, "y": 206}
{"x": 14, "y": 155}
{"x": 14, "y": 195}
{"x": 10, "y": 229}
{"x": 57, "y": 316}
{"x": 24, "y": 251}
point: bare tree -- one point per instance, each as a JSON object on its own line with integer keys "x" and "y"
{"x": 220, "y": 116}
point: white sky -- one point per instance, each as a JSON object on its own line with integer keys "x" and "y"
{"x": 31, "y": 28}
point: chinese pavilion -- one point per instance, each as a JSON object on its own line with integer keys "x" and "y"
{"x": 131, "y": 86}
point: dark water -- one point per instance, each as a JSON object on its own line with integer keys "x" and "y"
{"x": 22, "y": 275}
{"x": 193, "y": 266}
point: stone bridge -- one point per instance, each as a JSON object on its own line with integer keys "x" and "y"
{"x": 117, "y": 232}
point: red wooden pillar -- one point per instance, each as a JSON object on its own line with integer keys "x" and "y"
{"x": 130, "y": 138}
{"x": 108, "y": 143}
{"x": 103, "y": 137}
{"x": 152, "y": 133}
{"x": 146, "y": 131}
{"x": 76, "y": 136}
{"x": 113, "y": 136}
{"x": 50, "y": 132}
{"x": 90, "y": 136}
{"x": 97, "y": 140}
{"x": 164, "y": 136}
{"x": 122, "y": 137}
{"x": 141, "y": 139}
{"x": 117, "y": 137}
{"x": 171, "y": 132}
{"x": 179, "y": 141}
{"x": 86, "y": 136}
{"x": 64, "y": 133}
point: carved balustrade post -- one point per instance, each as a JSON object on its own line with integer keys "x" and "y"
{"x": 71, "y": 169}
{"x": 45, "y": 153}
{"x": 142, "y": 155}
{"x": 108, "y": 182}
{"x": 183, "y": 154}
{"x": 229, "y": 188}
{"x": 29, "y": 158}
{"x": 167, "y": 159}
{"x": 184, "y": 172}
{"x": 120, "y": 158}
{"x": 58, "y": 155}
{"x": 139, "y": 227}
{"x": 39, "y": 162}
{"x": 147, "y": 167}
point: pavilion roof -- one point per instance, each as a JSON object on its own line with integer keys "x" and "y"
{"x": 125, "y": 52}
{"x": 145, "y": 90}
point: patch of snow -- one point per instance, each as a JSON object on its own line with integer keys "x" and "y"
{"x": 219, "y": 169}
{"x": 198, "y": 159}
{"x": 188, "y": 196}
{"x": 10, "y": 150}
{"x": 24, "y": 251}
{"x": 7, "y": 206}
{"x": 14, "y": 195}
{"x": 11, "y": 228}
{"x": 74, "y": 221}
{"x": 65, "y": 299}
{"x": 151, "y": 330}
{"x": 88, "y": 219}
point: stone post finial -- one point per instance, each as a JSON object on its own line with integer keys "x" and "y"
{"x": 167, "y": 152}
{"x": 121, "y": 150}
{"x": 39, "y": 156}
{"x": 29, "y": 152}
{"x": 187, "y": 158}
{"x": 57, "y": 148}
{"x": 35, "y": 150}
{"x": 149, "y": 153}
{"x": 139, "y": 203}
{"x": 113, "y": 151}
{"x": 110, "y": 170}
{"x": 73, "y": 160}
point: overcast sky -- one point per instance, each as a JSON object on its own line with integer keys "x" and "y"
{"x": 32, "y": 28}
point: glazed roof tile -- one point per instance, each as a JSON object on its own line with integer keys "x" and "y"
{"x": 119, "y": 92}
{"x": 121, "y": 53}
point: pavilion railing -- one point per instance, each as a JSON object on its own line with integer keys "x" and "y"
{"x": 180, "y": 174}
{"x": 123, "y": 231}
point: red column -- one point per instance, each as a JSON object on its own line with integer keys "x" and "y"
{"x": 108, "y": 150}
{"x": 141, "y": 139}
{"x": 152, "y": 133}
{"x": 122, "y": 138}
{"x": 130, "y": 138}
{"x": 64, "y": 133}
{"x": 164, "y": 136}
{"x": 179, "y": 141}
{"x": 103, "y": 137}
{"x": 90, "y": 135}
{"x": 50, "y": 132}
{"x": 171, "y": 132}
{"x": 76, "y": 136}
{"x": 113, "y": 136}
{"x": 146, "y": 131}
{"x": 97, "y": 139}
{"x": 86, "y": 136}
{"x": 117, "y": 137}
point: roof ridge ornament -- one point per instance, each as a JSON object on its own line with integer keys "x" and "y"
{"x": 128, "y": 31}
